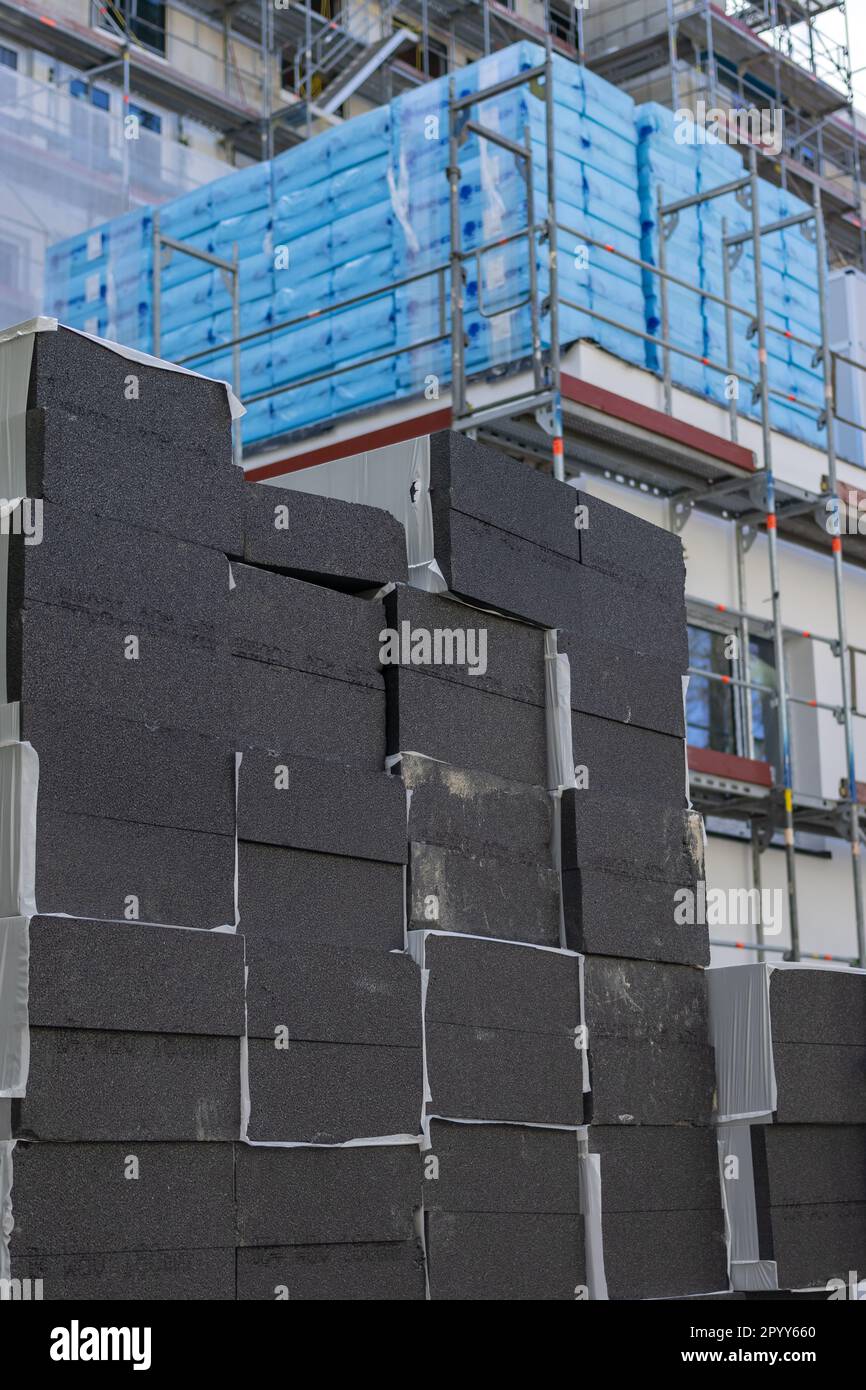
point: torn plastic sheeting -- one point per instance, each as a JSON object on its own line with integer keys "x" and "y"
{"x": 739, "y": 1012}
{"x": 748, "y": 1272}
{"x": 6, "y": 1147}
{"x": 560, "y": 753}
{"x": 589, "y": 1172}
{"x": 14, "y": 1020}
{"x": 44, "y": 324}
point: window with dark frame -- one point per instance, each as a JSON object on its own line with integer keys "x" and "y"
{"x": 711, "y": 717}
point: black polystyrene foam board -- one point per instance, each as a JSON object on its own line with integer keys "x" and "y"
{"x": 94, "y": 1086}
{"x": 470, "y": 477}
{"x": 94, "y": 763}
{"x": 645, "y": 999}
{"x": 88, "y": 462}
{"x": 489, "y": 1073}
{"x": 619, "y": 542}
{"x": 817, "y": 1083}
{"x": 273, "y": 617}
{"x": 621, "y": 915}
{"x": 657, "y": 1167}
{"x": 78, "y": 374}
{"x": 644, "y": 1081}
{"x": 356, "y": 1272}
{"x": 501, "y": 1168}
{"x": 466, "y": 727}
{"x": 482, "y": 895}
{"x": 806, "y": 1165}
{"x": 496, "y": 569}
{"x": 471, "y": 811}
{"x": 296, "y": 712}
{"x": 89, "y": 867}
{"x": 493, "y": 984}
{"x": 185, "y": 981}
{"x": 343, "y": 544}
{"x": 137, "y": 1275}
{"x": 301, "y": 898}
{"x": 138, "y": 577}
{"x": 818, "y": 1006}
{"x": 814, "y": 1244}
{"x": 474, "y": 1256}
{"x": 329, "y": 1093}
{"x": 618, "y": 682}
{"x": 663, "y": 1254}
{"x": 622, "y": 760}
{"x": 327, "y": 1196}
{"x": 330, "y": 994}
{"x": 78, "y": 1198}
{"x": 629, "y": 835}
{"x": 436, "y": 634}
{"x": 305, "y": 803}
{"x": 60, "y": 657}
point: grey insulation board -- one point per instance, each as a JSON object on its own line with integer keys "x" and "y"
{"x": 343, "y": 544}
{"x": 469, "y": 477}
{"x": 327, "y": 1196}
{"x": 72, "y": 372}
{"x": 482, "y": 895}
{"x": 392, "y": 1272}
{"x": 471, "y": 811}
{"x": 818, "y": 1083}
{"x": 501, "y": 985}
{"x": 301, "y": 898}
{"x": 647, "y": 1082}
{"x": 621, "y": 915}
{"x": 818, "y": 1006}
{"x": 133, "y": 1276}
{"x": 80, "y": 1198}
{"x": 636, "y": 999}
{"x": 285, "y": 621}
{"x": 330, "y": 1093}
{"x": 813, "y": 1244}
{"x": 88, "y": 462}
{"x": 501, "y": 1168}
{"x": 74, "y": 659}
{"x": 465, "y": 727}
{"x": 89, "y": 867}
{"x": 631, "y": 835}
{"x": 621, "y": 543}
{"x": 81, "y": 973}
{"x": 622, "y": 760}
{"x": 663, "y": 1168}
{"x": 474, "y": 1256}
{"x": 664, "y": 1254}
{"x": 140, "y": 578}
{"x": 502, "y": 1073}
{"x": 93, "y": 763}
{"x": 808, "y": 1165}
{"x": 310, "y": 804}
{"x": 496, "y": 569}
{"x": 618, "y": 682}
{"x": 297, "y": 712}
{"x": 87, "y": 1086}
{"x": 456, "y": 642}
{"x": 329, "y": 994}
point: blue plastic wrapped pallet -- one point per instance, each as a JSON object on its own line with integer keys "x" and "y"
{"x": 678, "y": 162}
{"x": 358, "y": 208}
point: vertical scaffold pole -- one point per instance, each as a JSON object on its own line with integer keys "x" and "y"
{"x": 558, "y": 446}
{"x": 773, "y": 552}
{"x": 834, "y": 510}
{"x": 458, "y": 403}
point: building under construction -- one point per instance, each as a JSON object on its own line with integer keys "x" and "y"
{"x": 491, "y": 288}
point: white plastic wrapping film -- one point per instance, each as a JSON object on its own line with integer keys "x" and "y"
{"x": 748, "y": 1271}
{"x": 397, "y": 480}
{"x": 589, "y": 1169}
{"x": 6, "y": 1147}
{"x": 19, "y": 787}
{"x": 739, "y": 1008}
{"x": 557, "y": 714}
{"x": 14, "y": 1031}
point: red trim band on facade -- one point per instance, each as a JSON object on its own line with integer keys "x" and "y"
{"x": 413, "y": 428}
{"x": 730, "y": 765}
{"x": 644, "y": 416}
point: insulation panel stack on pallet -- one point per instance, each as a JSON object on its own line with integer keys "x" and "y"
{"x": 791, "y": 1064}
